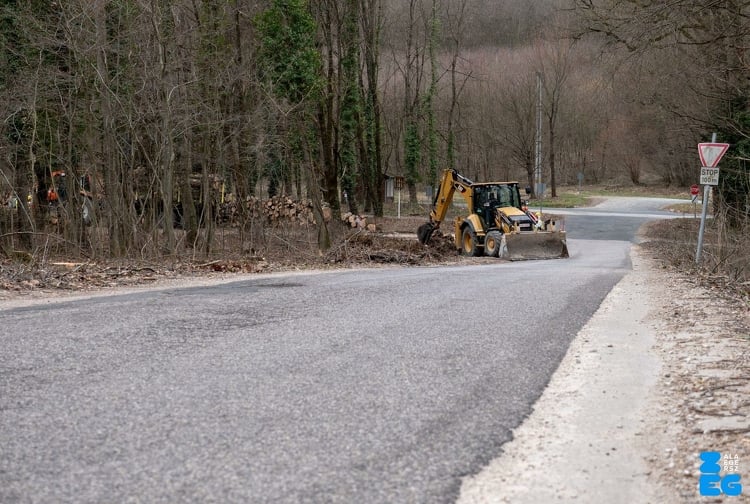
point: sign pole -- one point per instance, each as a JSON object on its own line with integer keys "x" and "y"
{"x": 399, "y": 203}
{"x": 398, "y": 184}
{"x": 704, "y": 211}
{"x": 702, "y": 229}
{"x": 694, "y": 192}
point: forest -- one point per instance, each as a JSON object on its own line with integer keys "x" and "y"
{"x": 137, "y": 128}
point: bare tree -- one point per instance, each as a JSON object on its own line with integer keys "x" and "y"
{"x": 408, "y": 54}
{"x": 519, "y": 106}
{"x": 372, "y": 157}
{"x": 553, "y": 59}
{"x": 455, "y": 21}
{"x": 699, "y": 48}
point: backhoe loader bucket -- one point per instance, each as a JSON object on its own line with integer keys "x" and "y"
{"x": 424, "y": 232}
{"x": 538, "y": 245}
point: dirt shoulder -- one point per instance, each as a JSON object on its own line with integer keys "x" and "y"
{"x": 702, "y": 399}
{"x": 657, "y": 376}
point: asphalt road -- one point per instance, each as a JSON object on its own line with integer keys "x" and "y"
{"x": 384, "y": 385}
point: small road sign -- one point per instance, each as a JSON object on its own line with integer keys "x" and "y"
{"x": 709, "y": 176}
{"x": 694, "y": 190}
{"x": 711, "y": 153}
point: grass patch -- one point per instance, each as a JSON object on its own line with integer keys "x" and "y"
{"x": 572, "y": 197}
{"x": 566, "y": 200}
{"x": 686, "y": 208}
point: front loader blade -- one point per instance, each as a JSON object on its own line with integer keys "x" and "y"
{"x": 535, "y": 245}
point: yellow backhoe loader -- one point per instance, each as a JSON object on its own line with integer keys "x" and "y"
{"x": 499, "y": 223}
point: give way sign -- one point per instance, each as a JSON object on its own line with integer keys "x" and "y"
{"x": 711, "y": 153}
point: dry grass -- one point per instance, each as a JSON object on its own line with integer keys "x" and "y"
{"x": 725, "y": 257}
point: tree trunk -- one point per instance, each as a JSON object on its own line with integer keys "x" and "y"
{"x": 552, "y": 170}
{"x": 112, "y": 171}
{"x": 371, "y": 20}
{"x": 330, "y": 169}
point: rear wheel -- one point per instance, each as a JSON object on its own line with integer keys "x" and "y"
{"x": 469, "y": 245}
{"x": 492, "y": 243}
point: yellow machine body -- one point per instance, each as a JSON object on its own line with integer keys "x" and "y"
{"x": 498, "y": 222}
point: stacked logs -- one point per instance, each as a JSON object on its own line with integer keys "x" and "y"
{"x": 354, "y": 221}
{"x": 282, "y": 210}
{"x": 285, "y": 211}
{"x": 357, "y": 222}
{"x": 275, "y": 211}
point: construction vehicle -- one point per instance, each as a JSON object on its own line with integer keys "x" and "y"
{"x": 498, "y": 224}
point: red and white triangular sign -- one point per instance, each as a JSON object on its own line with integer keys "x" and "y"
{"x": 711, "y": 153}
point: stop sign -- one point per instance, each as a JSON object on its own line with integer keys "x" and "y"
{"x": 694, "y": 190}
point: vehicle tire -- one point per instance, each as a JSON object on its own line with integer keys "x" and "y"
{"x": 492, "y": 243}
{"x": 469, "y": 245}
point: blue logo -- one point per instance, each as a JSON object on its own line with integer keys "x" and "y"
{"x": 711, "y": 483}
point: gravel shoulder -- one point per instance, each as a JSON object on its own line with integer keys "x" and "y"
{"x": 658, "y": 375}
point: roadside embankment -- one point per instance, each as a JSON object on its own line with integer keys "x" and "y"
{"x": 658, "y": 375}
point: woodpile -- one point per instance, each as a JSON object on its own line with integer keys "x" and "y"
{"x": 282, "y": 210}
{"x": 285, "y": 211}
{"x": 276, "y": 211}
{"x": 355, "y": 221}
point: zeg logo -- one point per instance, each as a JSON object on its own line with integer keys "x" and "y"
{"x": 711, "y": 483}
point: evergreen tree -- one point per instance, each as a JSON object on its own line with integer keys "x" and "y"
{"x": 350, "y": 106}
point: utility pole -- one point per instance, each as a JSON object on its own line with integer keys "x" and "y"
{"x": 538, "y": 189}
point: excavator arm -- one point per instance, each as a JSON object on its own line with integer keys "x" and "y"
{"x": 450, "y": 183}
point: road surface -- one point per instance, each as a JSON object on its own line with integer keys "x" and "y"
{"x": 386, "y": 385}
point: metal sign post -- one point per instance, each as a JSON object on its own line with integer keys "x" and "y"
{"x": 710, "y": 154}
{"x": 694, "y": 191}
{"x": 538, "y": 184}
{"x": 399, "y": 184}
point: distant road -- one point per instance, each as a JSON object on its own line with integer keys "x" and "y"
{"x": 617, "y": 218}
{"x": 380, "y": 385}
